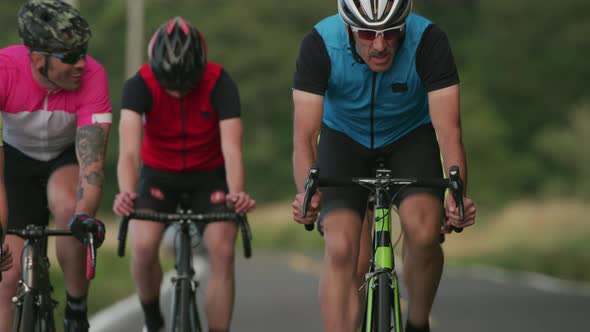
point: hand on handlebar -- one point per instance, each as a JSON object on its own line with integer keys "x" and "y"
{"x": 452, "y": 214}
{"x": 124, "y": 203}
{"x": 82, "y": 224}
{"x": 313, "y": 208}
{"x": 240, "y": 202}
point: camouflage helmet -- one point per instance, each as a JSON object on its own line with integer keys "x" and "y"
{"x": 52, "y": 25}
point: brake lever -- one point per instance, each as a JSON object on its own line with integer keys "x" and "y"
{"x": 456, "y": 185}
{"x": 90, "y": 258}
{"x": 311, "y": 187}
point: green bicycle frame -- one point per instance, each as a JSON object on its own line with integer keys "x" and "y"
{"x": 383, "y": 263}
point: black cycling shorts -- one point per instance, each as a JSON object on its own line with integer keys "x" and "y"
{"x": 161, "y": 191}
{"x": 26, "y": 185}
{"x": 415, "y": 155}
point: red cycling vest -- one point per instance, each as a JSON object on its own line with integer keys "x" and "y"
{"x": 182, "y": 134}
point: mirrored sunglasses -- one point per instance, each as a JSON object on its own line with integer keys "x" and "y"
{"x": 370, "y": 34}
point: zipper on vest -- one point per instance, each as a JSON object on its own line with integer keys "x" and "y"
{"x": 373, "y": 111}
{"x": 183, "y": 120}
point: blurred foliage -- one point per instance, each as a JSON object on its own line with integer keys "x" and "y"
{"x": 550, "y": 260}
{"x": 522, "y": 64}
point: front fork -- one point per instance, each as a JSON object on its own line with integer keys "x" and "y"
{"x": 35, "y": 280}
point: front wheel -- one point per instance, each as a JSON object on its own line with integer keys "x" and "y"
{"x": 27, "y": 315}
{"x": 384, "y": 303}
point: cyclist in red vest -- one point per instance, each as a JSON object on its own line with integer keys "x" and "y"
{"x": 189, "y": 109}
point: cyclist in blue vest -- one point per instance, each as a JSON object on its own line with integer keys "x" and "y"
{"x": 375, "y": 81}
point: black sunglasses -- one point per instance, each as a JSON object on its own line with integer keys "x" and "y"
{"x": 69, "y": 58}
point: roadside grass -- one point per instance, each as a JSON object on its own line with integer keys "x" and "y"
{"x": 545, "y": 237}
{"x": 566, "y": 258}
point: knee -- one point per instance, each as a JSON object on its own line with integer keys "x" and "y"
{"x": 340, "y": 251}
{"x": 9, "y": 284}
{"x": 422, "y": 238}
{"x": 145, "y": 254}
{"x": 63, "y": 212}
{"x": 221, "y": 253}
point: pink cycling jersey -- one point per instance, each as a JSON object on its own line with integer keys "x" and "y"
{"x": 42, "y": 123}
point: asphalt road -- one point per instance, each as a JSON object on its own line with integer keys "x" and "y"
{"x": 279, "y": 293}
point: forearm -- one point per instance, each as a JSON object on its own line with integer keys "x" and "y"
{"x": 128, "y": 173}
{"x": 446, "y": 119}
{"x": 90, "y": 148}
{"x": 234, "y": 170}
{"x": 304, "y": 156}
{"x": 453, "y": 153}
{"x": 307, "y": 119}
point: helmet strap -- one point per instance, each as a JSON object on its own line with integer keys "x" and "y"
{"x": 44, "y": 71}
{"x": 352, "y": 43}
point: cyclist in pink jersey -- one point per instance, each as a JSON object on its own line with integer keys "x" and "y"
{"x": 56, "y": 113}
{"x": 5, "y": 257}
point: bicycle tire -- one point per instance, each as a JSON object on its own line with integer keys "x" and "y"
{"x": 174, "y": 313}
{"x": 184, "y": 306}
{"x": 183, "y": 286}
{"x": 17, "y": 318}
{"x": 384, "y": 303}
{"x": 29, "y": 315}
{"x": 46, "y": 318}
{"x": 194, "y": 314}
{"x": 396, "y": 318}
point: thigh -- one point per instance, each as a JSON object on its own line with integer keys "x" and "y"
{"x": 156, "y": 191}
{"x": 61, "y": 193}
{"x": 341, "y": 157}
{"x": 416, "y": 155}
{"x": 421, "y": 215}
{"x": 206, "y": 188}
{"x": 26, "y": 182}
{"x": 62, "y": 186}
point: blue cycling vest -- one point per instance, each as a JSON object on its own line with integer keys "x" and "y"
{"x": 363, "y": 104}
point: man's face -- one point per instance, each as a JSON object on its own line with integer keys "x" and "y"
{"x": 64, "y": 69}
{"x": 377, "y": 48}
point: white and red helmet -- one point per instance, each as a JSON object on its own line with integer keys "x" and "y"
{"x": 374, "y": 14}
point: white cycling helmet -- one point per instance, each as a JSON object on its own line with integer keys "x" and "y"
{"x": 374, "y": 14}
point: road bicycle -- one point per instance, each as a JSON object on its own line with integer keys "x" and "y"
{"x": 382, "y": 305}
{"x": 33, "y": 301}
{"x": 184, "y": 312}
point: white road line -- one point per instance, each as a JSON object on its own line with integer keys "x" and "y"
{"x": 528, "y": 279}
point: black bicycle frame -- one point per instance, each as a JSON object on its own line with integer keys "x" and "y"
{"x": 185, "y": 316}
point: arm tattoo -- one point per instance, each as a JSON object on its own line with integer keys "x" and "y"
{"x": 95, "y": 178}
{"x": 90, "y": 144}
{"x": 80, "y": 193}
{"x": 90, "y": 148}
